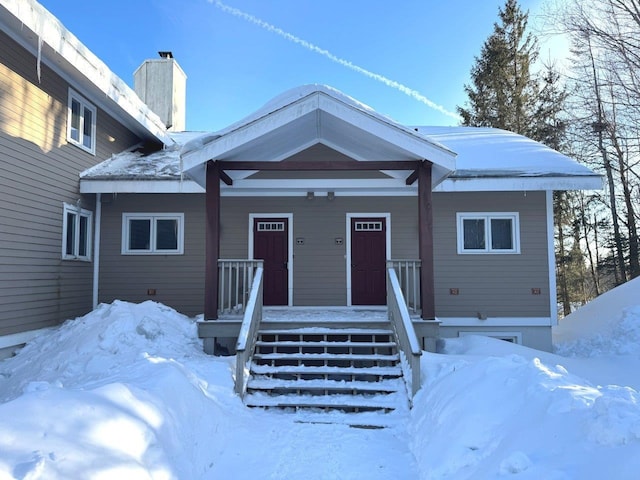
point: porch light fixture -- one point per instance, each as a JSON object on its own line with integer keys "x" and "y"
{"x": 331, "y": 196}
{"x": 310, "y": 195}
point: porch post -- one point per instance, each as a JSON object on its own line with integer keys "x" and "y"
{"x": 425, "y": 239}
{"x": 212, "y": 241}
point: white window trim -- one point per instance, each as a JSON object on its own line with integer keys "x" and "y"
{"x": 153, "y": 217}
{"x": 78, "y": 212}
{"x": 84, "y": 104}
{"x": 487, "y": 217}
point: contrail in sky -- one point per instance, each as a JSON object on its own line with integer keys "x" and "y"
{"x": 326, "y": 53}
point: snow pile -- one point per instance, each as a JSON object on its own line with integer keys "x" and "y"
{"x": 126, "y": 392}
{"x": 481, "y": 416}
{"x": 608, "y": 325}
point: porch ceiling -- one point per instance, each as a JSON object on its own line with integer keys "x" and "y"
{"x": 317, "y": 118}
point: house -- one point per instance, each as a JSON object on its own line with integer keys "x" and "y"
{"x": 321, "y": 199}
{"x": 61, "y": 111}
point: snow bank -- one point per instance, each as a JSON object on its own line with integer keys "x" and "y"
{"x": 601, "y": 319}
{"x": 481, "y": 416}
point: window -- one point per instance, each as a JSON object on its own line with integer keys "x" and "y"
{"x": 488, "y": 233}
{"x": 81, "y": 128}
{"x": 511, "y": 337}
{"x": 152, "y": 233}
{"x": 76, "y": 233}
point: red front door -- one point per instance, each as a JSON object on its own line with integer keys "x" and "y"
{"x": 270, "y": 243}
{"x": 368, "y": 261}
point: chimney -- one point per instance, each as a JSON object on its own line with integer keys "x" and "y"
{"x": 162, "y": 85}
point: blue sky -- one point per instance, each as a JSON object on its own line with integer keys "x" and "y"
{"x": 234, "y": 66}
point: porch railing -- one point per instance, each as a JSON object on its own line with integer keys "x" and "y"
{"x": 235, "y": 277}
{"x": 408, "y": 274}
{"x": 403, "y": 327}
{"x": 249, "y": 332}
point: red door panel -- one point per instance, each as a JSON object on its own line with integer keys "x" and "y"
{"x": 270, "y": 243}
{"x": 368, "y": 261}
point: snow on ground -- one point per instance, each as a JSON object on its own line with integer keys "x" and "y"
{"x": 126, "y": 392}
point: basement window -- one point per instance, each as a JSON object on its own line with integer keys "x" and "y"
{"x": 511, "y": 337}
{"x": 76, "y": 233}
{"x": 152, "y": 233}
{"x": 488, "y": 232}
{"x": 81, "y": 123}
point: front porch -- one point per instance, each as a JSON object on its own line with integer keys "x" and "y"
{"x": 313, "y": 350}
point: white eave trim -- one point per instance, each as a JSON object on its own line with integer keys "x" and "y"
{"x": 218, "y": 147}
{"x": 492, "y": 184}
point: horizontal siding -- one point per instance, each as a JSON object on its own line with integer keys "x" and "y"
{"x": 177, "y": 279}
{"x": 491, "y": 285}
{"x": 319, "y": 265}
{"x": 38, "y": 172}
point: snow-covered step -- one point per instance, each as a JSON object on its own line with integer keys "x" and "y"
{"x": 327, "y": 331}
{"x": 353, "y": 357}
{"x": 340, "y": 402}
{"x": 387, "y": 385}
{"x": 391, "y": 371}
{"x": 347, "y": 370}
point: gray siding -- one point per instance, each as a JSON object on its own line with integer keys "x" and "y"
{"x": 177, "y": 279}
{"x": 38, "y": 172}
{"x": 319, "y": 265}
{"x": 491, "y": 285}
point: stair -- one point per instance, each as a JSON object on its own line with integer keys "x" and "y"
{"x": 347, "y": 370}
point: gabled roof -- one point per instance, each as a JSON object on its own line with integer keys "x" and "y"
{"x": 306, "y": 116}
{"x": 41, "y": 33}
{"x": 314, "y": 116}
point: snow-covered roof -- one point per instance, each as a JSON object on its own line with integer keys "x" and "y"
{"x": 490, "y": 156}
{"x": 40, "y": 32}
{"x": 485, "y": 159}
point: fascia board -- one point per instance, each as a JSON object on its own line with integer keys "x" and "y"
{"x": 219, "y": 147}
{"x": 519, "y": 183}
{"x": 420, "y": 148}
{"x": 139, "y": 186}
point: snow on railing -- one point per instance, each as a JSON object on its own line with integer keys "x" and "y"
{"x": 249, "y": 332}
{"x": 408, "y": 273}
{"x": 404, "y": 331}
{"x": 235, "y": 277}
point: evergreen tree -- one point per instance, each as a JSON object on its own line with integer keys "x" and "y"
{"x": 503, "y": 92}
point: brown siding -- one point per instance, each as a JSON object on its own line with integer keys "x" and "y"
{"x": 38, "y": 172}
{"x": 491, "y": 285}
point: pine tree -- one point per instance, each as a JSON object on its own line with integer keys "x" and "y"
{"x": 503, "y": 92}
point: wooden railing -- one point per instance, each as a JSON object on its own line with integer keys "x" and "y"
{"x": 234, "y": 281}
{"x": 404, "y": 331}
{"x": 408, "y": 273}
{"x": 249, "y": 332}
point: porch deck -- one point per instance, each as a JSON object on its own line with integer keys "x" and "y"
{"x": 274, "y": 318}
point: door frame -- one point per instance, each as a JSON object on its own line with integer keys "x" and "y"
{"x": 289, "y": 218}
{"x": 349, "y": 217}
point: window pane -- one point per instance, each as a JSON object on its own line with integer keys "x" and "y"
{"x": 139, "y": 234}
{"x": 167, "y": 234}
{"x": 75, "y": 120}
{"x": 83, "y": 240}
{"x": 501, "y": 234}
{"x": 473, "y": 234}
{"x": 86, "y": 130}
{"x": 71, "y": 234}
